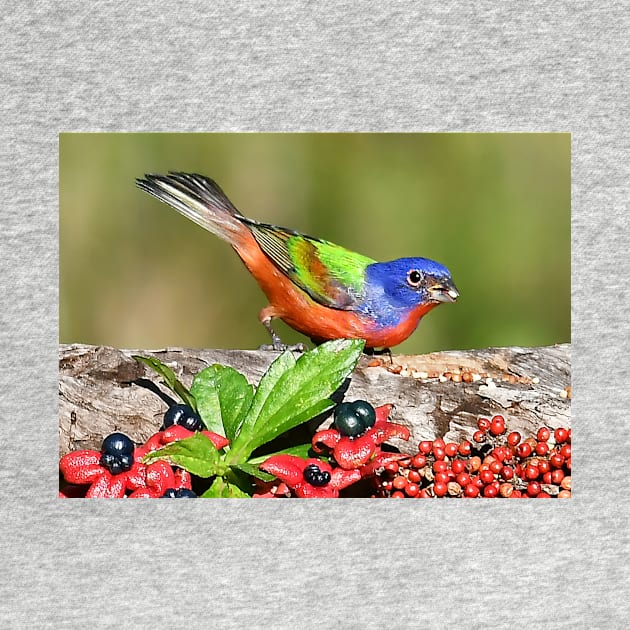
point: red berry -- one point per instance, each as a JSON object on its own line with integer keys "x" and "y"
{"x": 414, "y": 476}
{"x": 412, "y": 489}
{"x": 474, "y": 463}
{"x": 513, "y": 438}
{"x": 419, "y": 461}
{"x": 440, "y": 466}
{"x": 556, "y": 476}
{"x": 464, "y": 448}
{"x": 440, "y": 488}
{"x": 567, "y": 464}
{"x": 439, "y": 442}
{"x": 490, "y": 492}
{"x": 399, "y": 482}
{"x": 398, "y": 495}
{"x": 524, "y": 449}
{"x": 543, "y": 466}
{"x": 483, "y": 424}
{"x": 565, "y": 451}
{"x": 497, "y": 425}
{"x": 458, "y": 466}
{"x": 441, "y": 477}
{"x": 496, "y": 467}
{"x": 391, "y": 467}
{"x": 517, "y": 494}
{"x": 531, "y": 472}
{"x": 543, "y": 434}
{"x": 438, "y": 452}
{"x": 487, "y": 476}
{"x": 507, "y": 472}
{"x": 556, "y": 460}
{"x": 479, "y": 436}
{"x": 506, "y": 490}
{"x": 561, "y": 435}
{"x": 463, "y": 479}
{"x": 533, "y": 488}
{"x": 471, "y": 491}
{"x": 450, "y": 449}
{"x": 543, "y": 495}
{"x": 542, "y": 448}
{"x": 502, "y": 453}
{"x": 424, "y": 494}
{"x": 547, "y": 478}
{"x": 426, "y": 446}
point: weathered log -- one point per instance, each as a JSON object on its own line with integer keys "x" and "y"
{"x": 102, "y": 389}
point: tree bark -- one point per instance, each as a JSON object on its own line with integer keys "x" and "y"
{"x": 102, "y": 389}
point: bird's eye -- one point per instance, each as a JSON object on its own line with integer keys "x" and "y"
{"x": 414, "y": 278}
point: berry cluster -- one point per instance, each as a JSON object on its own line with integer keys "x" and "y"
{"x": 492, "y": 465}
{"x": 118, "y": 469}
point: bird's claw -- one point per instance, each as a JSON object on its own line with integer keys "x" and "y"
{"x": 281, "y": 347}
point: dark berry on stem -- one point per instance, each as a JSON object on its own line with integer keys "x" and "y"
{"x": 117, "y": 444}
{"x": 363, "y": 410}
{"x": 315, "y": 476}
{"x": 117, "y": 453}
{"x": 182, "y": 415}
{"x": 346, "y": 421}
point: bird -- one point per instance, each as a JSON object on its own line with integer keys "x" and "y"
{"x": 320, "y": 289}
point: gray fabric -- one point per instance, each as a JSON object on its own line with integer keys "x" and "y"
{"x": 265, "y": 66}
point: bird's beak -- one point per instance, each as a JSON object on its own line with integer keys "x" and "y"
{"x": 443, "y": 293}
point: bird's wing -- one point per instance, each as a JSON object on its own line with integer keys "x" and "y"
{"x": 331, "y": 275}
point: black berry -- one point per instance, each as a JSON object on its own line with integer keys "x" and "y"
{"x": 365, "y": 411}
{"x": 315, "y": 476}
{"x": 117, "y": 444}
{"x": 184, "y": 416}
{"x": 353, "y": 419}
{"x": 182, "y": 493}
{"x": 117, "y": 453}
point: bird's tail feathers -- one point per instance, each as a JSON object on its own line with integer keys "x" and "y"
{"x": 198, "y": 198}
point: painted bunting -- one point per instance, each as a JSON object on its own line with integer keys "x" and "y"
{"x": 318, "y": 288}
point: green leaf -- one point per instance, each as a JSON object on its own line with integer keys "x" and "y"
{"x": 268, "y": 381}
{"x": 169, "y": 377}
{"x": 283, "y": 422}
{"x": 223, "y": 397}
{"x": 304, "y": 451}
{"x": 222, "y": 489}
{"x": 197, "y": 454}
{"x": 254, "y": 471}
{"x": 300, "y": 393}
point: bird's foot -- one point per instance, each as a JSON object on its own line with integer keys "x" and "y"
{"x": 276, "y": 343}
{"x": 282, "y": 347}
{"x": 374, "y": 352}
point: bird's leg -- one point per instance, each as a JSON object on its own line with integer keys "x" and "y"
{"x": 265, "y": 317}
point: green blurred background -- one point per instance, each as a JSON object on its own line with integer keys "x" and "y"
{"x": 494, "y": 208}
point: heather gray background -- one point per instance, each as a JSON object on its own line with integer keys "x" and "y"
{"x": 172, "y": 66}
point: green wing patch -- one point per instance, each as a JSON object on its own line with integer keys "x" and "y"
{"x": 330, "y": 274}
